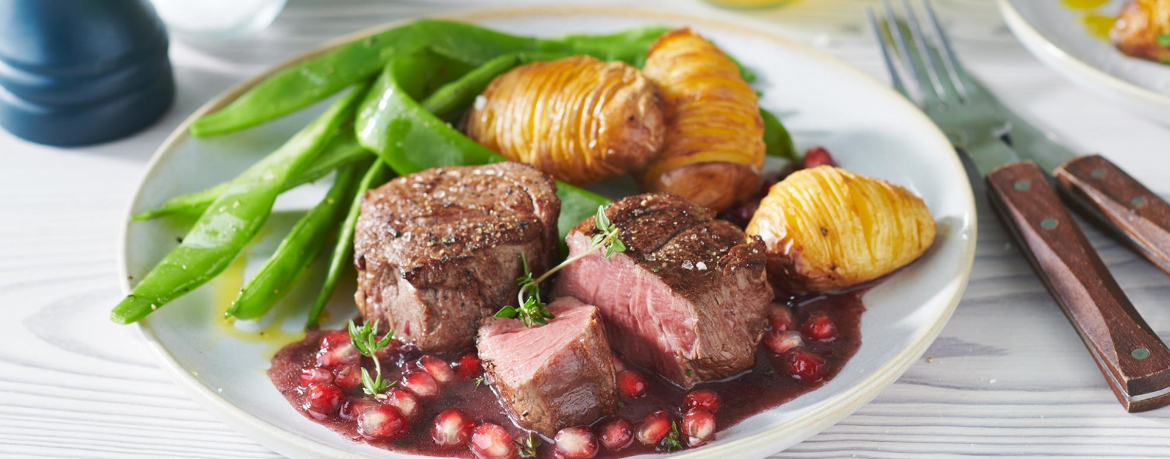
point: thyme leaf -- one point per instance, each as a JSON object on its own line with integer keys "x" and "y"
{"x": 527, "y": 448}
{"x": 673, "y": 440}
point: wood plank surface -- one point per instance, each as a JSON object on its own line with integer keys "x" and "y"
{"x": 1008, "y": 376}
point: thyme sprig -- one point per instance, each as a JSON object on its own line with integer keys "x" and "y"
{"x": 673, "y": 440}
{"x": 365, "y": 339}
{"x": 527, "y": 448}
{"x": 533, "y": 310}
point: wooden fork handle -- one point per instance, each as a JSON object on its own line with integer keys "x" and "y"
{"x": 1134, "y": 361}
{"x": 1120, "y": 203}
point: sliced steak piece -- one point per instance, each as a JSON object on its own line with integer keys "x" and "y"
{"x": 687, "y": 299}
{"x": 438, "y": 250}
{"x": 553, "y": 376}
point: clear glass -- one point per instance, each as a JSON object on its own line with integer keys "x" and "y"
{"x": 215, "y": 20}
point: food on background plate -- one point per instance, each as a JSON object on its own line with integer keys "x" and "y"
{"x": 827, "y": 229}
{"x": 554, "y": 376}
{"x": 664, "y": 328}
{"x": 438, "y": 250}
{"x": 714, "y": 149}
{"x": 1142, "y": 30}
{"x": 687, "y": 298}
{"x": 578, "y": 118}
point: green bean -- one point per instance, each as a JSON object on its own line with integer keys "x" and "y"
{"x": 298, "y": 249}
{"x": 341, "y": 257}
{"x": 777, "y": 140}
{"x": 302, "y": 84}
{"x": 410, "y": 139}
{"x": 232, "y": 220}
{"x": 342, "y": 149}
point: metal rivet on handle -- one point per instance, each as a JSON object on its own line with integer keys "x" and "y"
{"x": 1137, "y": 200}
{"x": 1140, "y": 353}
{"x": 1097, "y": 173}
{"x": 1048, "y": 223}
{"x": 1022, "y": 185}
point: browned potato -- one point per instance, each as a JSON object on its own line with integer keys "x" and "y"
{"x": 827, "y": 228}
{"x": 579, "y": 119}
{"x": 1142, "y": 30}
{"x": 714, "y": 146}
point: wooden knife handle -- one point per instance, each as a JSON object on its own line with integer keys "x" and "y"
{"x": 1135, "y": 362}
{"x": 1121, "y": 204}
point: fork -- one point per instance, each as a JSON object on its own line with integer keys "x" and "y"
{"x": 924, "y": 69}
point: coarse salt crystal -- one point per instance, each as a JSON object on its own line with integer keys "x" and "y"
{"x": 701, "y": 266}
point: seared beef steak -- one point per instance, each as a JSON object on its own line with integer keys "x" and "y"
{"x": 438, "y": 250}
{"x": 553, "y": 376}
{"x": 687, "y": 298}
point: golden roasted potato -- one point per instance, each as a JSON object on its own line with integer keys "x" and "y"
{"x": 827, "y": 228}
{"x": 714, "y": 146}
{"x": 579, "y": 119}
{"x": 1143, "y": 30}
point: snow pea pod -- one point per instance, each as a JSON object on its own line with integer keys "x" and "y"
{"x": 409, "y": 138}
{"x": 233, "y": 218}
{"x": 298, "y": 249}
{"x": 305, "y": 83}
{"x": 376, "y": 175}
{"x": 777, "y": 140}
{"x": 341, "y": 149}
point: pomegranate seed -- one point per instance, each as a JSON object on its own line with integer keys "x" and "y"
{"x": 490, "y": 441}
{"x": 338, "y": 354}
{"x": 348, "y": 377}
{"x": 438, "y": 368}
{"x": 323, "y": 400}
{"x": 576, "y": 443}
{"x": 781, "y": 341}
{"x": 616, "y": 434}
{"x": 698, "y": 426}
{"x": 332, "y": 338}
{"x": 631, "y": 384}
{"x": 817, "y": 156}
{"x": 467, "y": 367}
{"x": 380, "y": 422}
{"x": 819, "y": 326}
{"x": 422, "y": 385}
{"x": 619, "y": 365}
{"x": 654, "y": 427}
{"x": 705, "y": 399}
{"x": 406, "y": 403}
{"x": 310, "y": 376}
{"x": 803, "y": 364}
{"x": 452, "y": 427}
{"x": 780, "y": 317}
{"x": 355, "y": 406}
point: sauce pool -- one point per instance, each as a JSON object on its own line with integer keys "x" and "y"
{"x": 765, "y": 386}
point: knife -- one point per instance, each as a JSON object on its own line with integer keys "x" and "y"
{"x": 1102, "y": 192}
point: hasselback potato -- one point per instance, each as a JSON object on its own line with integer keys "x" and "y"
{"x": 1140, "y": 30}
{"x": 579, "y": 119}
{"x": 714, "y": 146}
{"x": 827, "y": 228}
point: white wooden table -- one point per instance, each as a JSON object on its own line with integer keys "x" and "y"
{"x": 1007, "y": 377}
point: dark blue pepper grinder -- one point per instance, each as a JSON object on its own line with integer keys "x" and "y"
{"x": 79, "y": 72}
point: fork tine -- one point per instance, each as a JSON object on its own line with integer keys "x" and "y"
{"x": 954, "y": 69}
{"x": 884, "y": 46}
{"x": 923, "y": 51}
{"x": 924, "y": 89}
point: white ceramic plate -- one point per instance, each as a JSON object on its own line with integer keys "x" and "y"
{"x": 1057, "y": 36}
{"x": 869, "y": 128}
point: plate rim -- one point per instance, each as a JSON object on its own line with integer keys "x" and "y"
{"x": 1094, "y": 78}
{"x": 808, "y": 423}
